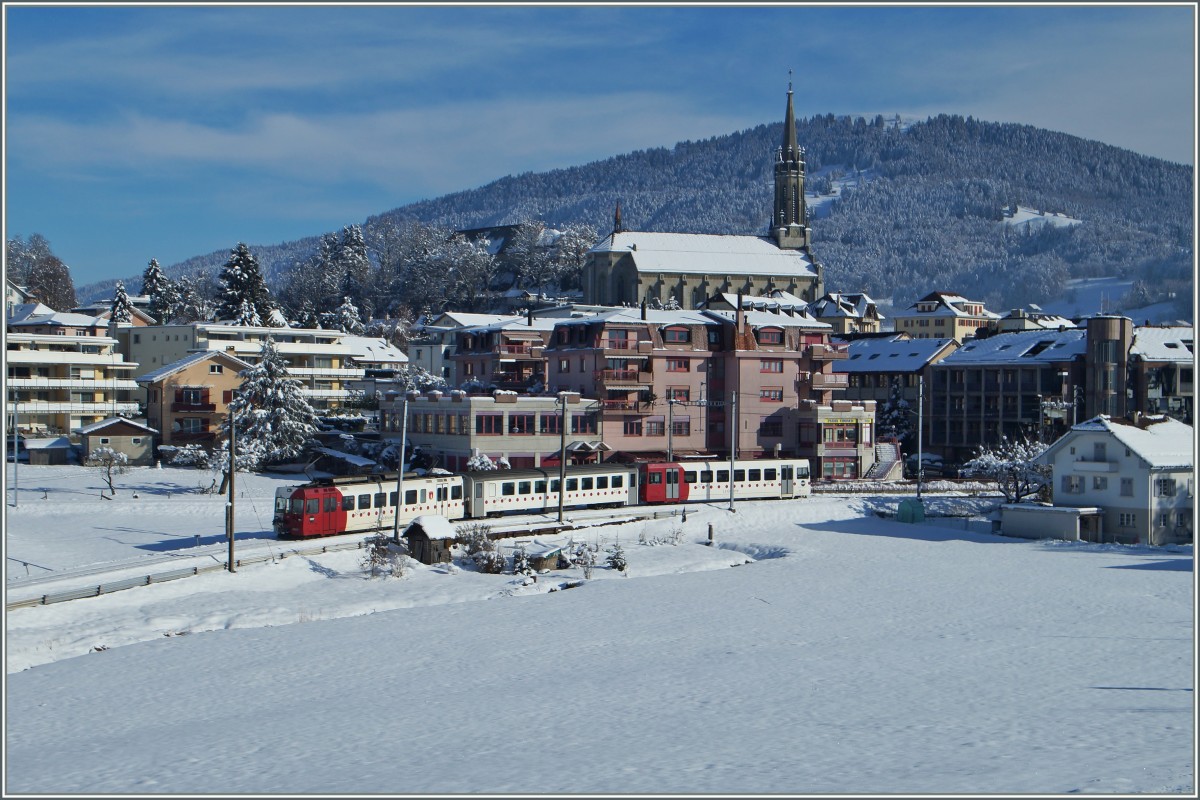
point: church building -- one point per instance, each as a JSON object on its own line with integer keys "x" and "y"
{"x": 632, "y": 267}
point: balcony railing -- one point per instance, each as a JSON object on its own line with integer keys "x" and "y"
{"x": 622, "y": 376}
{"x": 829, "y": 352}
{"x": 513, "y": 349}
{"x": 620, "y": 405}
{"x": 837, "y": 380}
{"x": 193, "y": 408}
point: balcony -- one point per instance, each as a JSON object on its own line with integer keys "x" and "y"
{"x": 829, "y": 352}
{"x": 832, "y": 381}
{"x": 92, "y": 384}
{"x": 193, "y": 408}
{"x": 513, "y": 350}
{"x": 620, "y": 405}
{"x": 622, "y": 377}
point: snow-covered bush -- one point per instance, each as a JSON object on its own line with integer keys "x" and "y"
{"x": 521, "y": 564}
{"x": 1009, "y": 465}
{"x": 190, "y": 455}
{"x": 490, "y": 560}
{"x": 379, "y": 557}
{"x": 616, "y": 557}
{"x": 474, "y": 536}
{"x": 480, "y": 461}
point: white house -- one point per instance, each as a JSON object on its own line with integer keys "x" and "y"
{"x": 1138, "y": 472}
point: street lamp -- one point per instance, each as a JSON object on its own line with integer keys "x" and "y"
{"x": 561, "y": 402}
{"x": 670, "y": 428}
{"x": 400, "y": 469}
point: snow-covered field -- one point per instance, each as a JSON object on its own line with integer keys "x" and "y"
{"x": 818, "y": 648}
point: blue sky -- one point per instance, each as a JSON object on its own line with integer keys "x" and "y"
{"x": 170, "y": 132}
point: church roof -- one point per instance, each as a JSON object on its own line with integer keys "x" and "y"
{"x": 710, "y": 254}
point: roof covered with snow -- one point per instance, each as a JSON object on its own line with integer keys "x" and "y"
{"x": 853, "y": 306}
{"x": 349, "y": 458}
{"x": 56, "y": 318}
{"x": 768, "y": 319}
{"x": 105, "y": 423}
{"x": 373, "y": 349}
{"x": 1022, "y": 347}
{"x": 1164, "y": 443}
{"x": 189, "y": 360}
{"x": 893, "y": 354}
{"x": 713, "y": 254}
{"x": 435, "y": 527}
{"x": 1163, "y": 344}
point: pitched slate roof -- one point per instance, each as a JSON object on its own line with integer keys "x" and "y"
{"x": 1022, "y": 347}
{"x": 712, "y": 254}
{"x": 895, "y": 354}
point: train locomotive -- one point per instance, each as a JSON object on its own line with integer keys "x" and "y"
{"x": 365, "y": 503}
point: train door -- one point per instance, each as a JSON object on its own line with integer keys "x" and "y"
{"x": 323, "y": 513}
{"x": 786, "y": 477}
{"x": 673, "y": 476}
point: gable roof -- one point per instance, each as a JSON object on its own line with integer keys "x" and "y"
{"x": 713, "y": 254}
{"x": 1161, "y": 442}
{"x": 111, "y": 421}
{"x": 373, "y": 350}
{"x": 1174, "y": 343}
{"x": 189, "y": 360}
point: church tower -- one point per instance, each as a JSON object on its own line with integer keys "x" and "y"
{"x": 789, "y": 223}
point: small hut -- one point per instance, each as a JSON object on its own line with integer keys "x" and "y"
{"x": 429, "y": 539}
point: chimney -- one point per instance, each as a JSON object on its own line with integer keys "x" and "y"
{"x": 740, "y": 316}
{"x": 643, "y": 309}
{"x": 529, "y": 317}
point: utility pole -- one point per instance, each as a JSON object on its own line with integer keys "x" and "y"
{"x": 16, "y": 451}
{"x": 733, "y": 437}
{"x": 229, "y": 519}
{"x": 670, "y": 428}
{"x": 400, "y": 469}
{"x": 562, "y": 453}
{"x": 920, "y": 432}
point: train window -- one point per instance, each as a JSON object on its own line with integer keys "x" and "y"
{"x": 769, "y": 474}
{"x": 802, "y": 471}
{"x": 314, "y": 505}
{"x": 364, "y": 501}
{"x": 786, "y": 472}
{"x": 756, "y": 474}
{"x": 739, "y": 476}
{"x": 539, "y": 487}
{"x": 379, "y": 497}
{"x": 586, "y": 483}
{"x": 602, "y": 482}
{"x": 572, "y": 484}
{"x": 298, "y": 506}
{"x": 706, "y": 476}
{"x": 348, "y": 503}
{"x": 479, "y": 491}
{"x": 392, "y": 499}
{"x": 524, "y": 487}
{"x": 618, "y": 481}
{"x": 689, "y": 477}
{"x": 554, "y": 485}
{"x": 722, "y": 476}
{"x": 423, "y": 495}
{"x": 441, "y": 494}
{"x": 654, "y": 478}
{"x": 508, "y": 488}
{"x": 456, "y": 493}
{"x": 410, "y": 497}
{"x": 331, "y": 503}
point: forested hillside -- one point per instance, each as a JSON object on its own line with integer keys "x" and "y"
{"x": 925, "y": 213}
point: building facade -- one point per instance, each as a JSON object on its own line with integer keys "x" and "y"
{"x": 188, "y": 400}
{"x": 941, "y": 315}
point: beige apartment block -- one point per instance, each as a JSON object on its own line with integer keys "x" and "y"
{"x": 941, "y": 315}
{"x": 188, "y": 400}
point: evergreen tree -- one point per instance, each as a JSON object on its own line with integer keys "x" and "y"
{"x": 347, "y": 317}
{"x": 895, "y": 417}
{"x": 242, "y": 284}
{"x": 121, "y": 309}
{"x": 162, "y": 291}
{"x": 354, "y": 266}
{"x": 273, "y": 417}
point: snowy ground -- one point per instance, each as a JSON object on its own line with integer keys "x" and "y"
{"x": 845, "y": 652}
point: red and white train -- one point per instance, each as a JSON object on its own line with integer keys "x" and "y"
{"x": 364, "y": 503}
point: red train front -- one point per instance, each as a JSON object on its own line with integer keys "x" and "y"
{"x": 662, "y": 482}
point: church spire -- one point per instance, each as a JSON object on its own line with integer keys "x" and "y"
{"x": 617, "y": 227}
{"x": 789, "y": 220}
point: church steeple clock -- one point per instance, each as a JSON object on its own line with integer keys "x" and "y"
{"x": 789, "y": 222}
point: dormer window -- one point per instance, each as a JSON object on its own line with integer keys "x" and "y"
{"x": 677, "y": 334}
{"x": 770, "y": 336}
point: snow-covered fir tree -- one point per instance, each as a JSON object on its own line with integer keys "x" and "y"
{"x": 616, "y": 557}
{"x": 247, "y": 315}
{"x": 896, "y": 416}
{"x": 346, "y": 317}
{"x": 241, "y": 283}
{"x": 121, "y": 309}
{"x": 270, "y": 410}
{"x": 162, "y": 291}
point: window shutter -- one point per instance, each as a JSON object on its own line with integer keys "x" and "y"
{"x": 227, "y": 396}
{"x": 204, "y": 424}
{"x": 179, "y": 395}
{"x": 204, "y": 395}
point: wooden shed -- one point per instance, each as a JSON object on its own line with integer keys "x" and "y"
{"x": 430, "y": 538}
